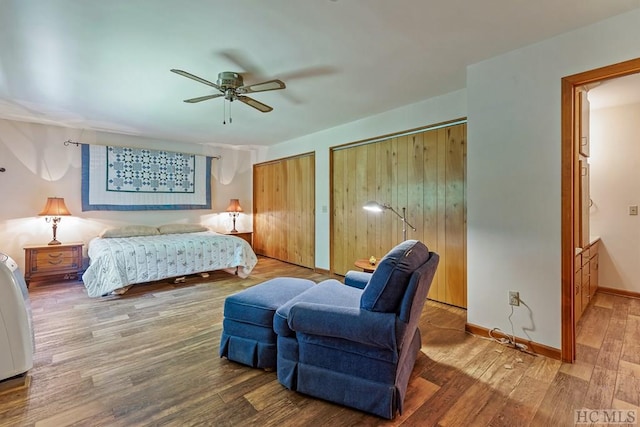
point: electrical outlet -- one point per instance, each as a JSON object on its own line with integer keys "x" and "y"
{"x": 633, "y": 210}
{"x": 514, "y": 298}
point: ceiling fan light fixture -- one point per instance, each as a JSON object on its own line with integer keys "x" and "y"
{"x": 229, "y": 94}
{"x": 229, "y": 80}
{"x": 231, "y": 87}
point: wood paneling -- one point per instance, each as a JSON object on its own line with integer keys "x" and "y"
{"x": 425, "y": 172}
{"x": 284, "y": 209}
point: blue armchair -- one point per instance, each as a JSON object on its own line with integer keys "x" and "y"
{"x": 356, "y": 345}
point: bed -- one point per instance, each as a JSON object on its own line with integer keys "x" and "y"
{"x": 120, "y": 260}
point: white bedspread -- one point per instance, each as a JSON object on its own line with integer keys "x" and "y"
{"x": 119, "y": 262}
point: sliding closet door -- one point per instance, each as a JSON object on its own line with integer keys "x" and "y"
{"x": 424, "y": 172}
{"x": 284, "y": 209}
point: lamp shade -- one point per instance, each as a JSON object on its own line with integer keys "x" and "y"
{"x": 374, "y": 206}
{"x": 55, "y": 207}
{"x": 234, "y": 206}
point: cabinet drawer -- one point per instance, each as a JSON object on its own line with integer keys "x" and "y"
{"x": 585, "y": 256}
{"x": 585, "y": 275}
{"x": 578, "y": 263}
{"x": 54, "y": 261}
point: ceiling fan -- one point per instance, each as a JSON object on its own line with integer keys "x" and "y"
{"x": 231, "y": 87}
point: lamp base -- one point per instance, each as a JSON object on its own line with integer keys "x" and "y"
{"x": 55, "y": 220}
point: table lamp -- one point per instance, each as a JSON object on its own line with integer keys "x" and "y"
{"x": 234, "y": 210}
{"x": 53, "y": 210}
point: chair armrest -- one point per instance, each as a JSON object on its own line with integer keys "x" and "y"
{"x": 357, "y": 279}
{"x": 349, "y": 323}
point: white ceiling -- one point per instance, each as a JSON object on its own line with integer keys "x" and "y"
{"x": 104, "y": 64}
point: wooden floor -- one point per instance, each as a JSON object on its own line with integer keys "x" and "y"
{"x": 150, "y": 357}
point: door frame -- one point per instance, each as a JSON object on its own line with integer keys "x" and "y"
{"x": 568, "y": 186}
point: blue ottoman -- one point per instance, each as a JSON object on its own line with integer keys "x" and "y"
{"x": 247, "y": 328}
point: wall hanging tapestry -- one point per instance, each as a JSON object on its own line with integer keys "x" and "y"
{"x": 122, "y": 178}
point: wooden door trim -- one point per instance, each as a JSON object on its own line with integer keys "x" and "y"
{"x": 280, "y": 159}
{"x": 380, "y": 138}
{"x": 568, "y": 208}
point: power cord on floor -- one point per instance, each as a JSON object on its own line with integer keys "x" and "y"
{"x": 506, "y": 340}
{"x": 510, "y": 340}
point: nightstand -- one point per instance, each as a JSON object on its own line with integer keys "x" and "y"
{"x": 50, "y": 261}
{"x": 245, "y": 235}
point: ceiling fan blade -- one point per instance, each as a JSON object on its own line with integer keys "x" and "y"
{"x": 202, "y": 98}
{"x": 262, "y": 87}
{"x": 309, "y": 72}
{"x": 250, "y": 70}
{"x": 253, "y": 103}
{"x": 196, "y": 78}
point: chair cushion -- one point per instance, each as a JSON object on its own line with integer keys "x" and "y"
{"x": 329, "y": 292}
{"x": 257, "y": 304}
{"x": 391, "y": 278}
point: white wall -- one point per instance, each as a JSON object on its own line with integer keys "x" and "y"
{"x": 435, "y": 110}
{"x": 38, "y": 166}
{"x": 513, "y": 163}
{"x": 614, "y": 186}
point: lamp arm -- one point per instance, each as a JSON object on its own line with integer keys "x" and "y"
{"x": 402, "y": 217}
{"x": 410, "y": 226}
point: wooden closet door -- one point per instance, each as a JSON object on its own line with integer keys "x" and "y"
{"x": 424, "y": 172}
{"x": 284, "y": 209}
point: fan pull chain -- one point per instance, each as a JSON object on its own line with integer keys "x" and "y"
{"x": 224, "y": 112}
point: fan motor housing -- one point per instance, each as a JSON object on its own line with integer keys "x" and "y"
{"x": 229, "y": 79}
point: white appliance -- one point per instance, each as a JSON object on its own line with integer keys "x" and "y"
{"x": 16, "y": 331}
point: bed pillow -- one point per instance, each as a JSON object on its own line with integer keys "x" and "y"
{"x": 181, "y": 228}
{"x": 130, "y": 231}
